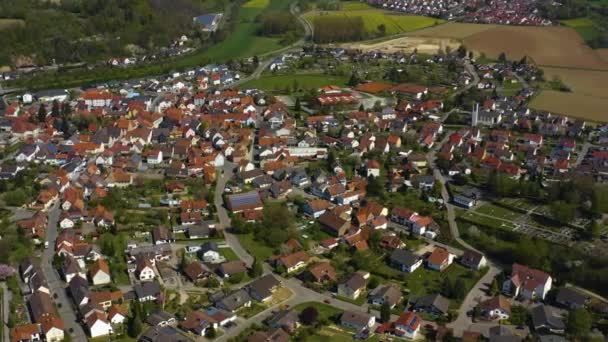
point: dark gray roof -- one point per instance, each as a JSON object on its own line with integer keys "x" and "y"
{"x": 165, "y": 334}
{"x": 147, "y": 289}
{"x": 404, "y": 257}
{"x": 569, "y": 296}
{"x": 285, "y": 317}
{"x": 544, "y": 316}
{"x": 262, "y": 287}
{"x": 234, "y": 301}
{"x": 247, "y": 200}
{"x": 355, "y": 318}
{"x": 158, "y": 317}
{"x": 436, "y": 301}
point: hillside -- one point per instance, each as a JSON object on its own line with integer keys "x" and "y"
{"x": 78, "y": 30}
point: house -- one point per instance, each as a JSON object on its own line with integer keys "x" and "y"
{"x": 334, "y": 224}
{"x": 245, "y": 201}
{"x": 275, "y": 335}
{"x": 287, "y": 320}
{"x": 464, "y": 201}
{"x": 316, "y": 207}
{"x": 196, "y": 271}
{"x": 408, "y": 325}
{"x": 148, "y": 291}
{"x": 434, "y": 304}
{"x": 117, "y": 315}
{"x": 162, "y": 334}
{"x": 262, "y": 288}
{"x": 195, "y": 323}
{"x": 439, "y": 259}
{"x": 498, "y": 308}
{"x": 390, "y": 294}
{"x": 372, "y": 168}
{"x": 322, "y": 272}
{"x": 201, "y": 231}
{"x": 546, "y": 319}
{"x": 354, "y": 286}
{"x": 405, "y": 261}
{"x": 234, "y": 301}
{"x": 571, "y": 298}
{"x": 294, "y": 261}
{"x": 162, "y": 235}
{"x": 97, "y": 323}
{"x": 357, "y": 320}
{"x": 26, "y": 333}
{"x": 473, "y": 260}
{"x": 231, "y": 268}
{"x": 527, "y": 283}
{"x": 70, "y": 269}
{"x": 53, "y": 328}
{"x": 210, "y": 253}
{"x": 99, "y": 272}
{"x": 144, "y": 269}
{"x": 160, "y": 318}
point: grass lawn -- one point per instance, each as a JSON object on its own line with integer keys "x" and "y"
{"x": 336, "y": 334}
{"x": 496, "y": 211}
{"x": 255, "y": 248}
{"x": 280, "y": 82}
{"x": 362, "y": 299}
{"x": 228, "y": 253}
{"x": 395, "y": 23}
{"x": 325, "y": 311}
{"x": 253, "y": 310}
{"x": 424, "y": 281}
{"x": 483, "y": 220}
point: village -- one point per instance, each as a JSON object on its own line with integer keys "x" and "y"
{"x": 423, "y": 200}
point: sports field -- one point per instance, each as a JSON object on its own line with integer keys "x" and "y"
{"x": 394, "y": 23}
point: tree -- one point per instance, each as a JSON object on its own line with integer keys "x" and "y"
{"x": 595, "y": 230}
{"x": 579, "y": 323}
{"x": 41, "y": 113}
{"x": 55, "y": 109}
{"x": 354, "y": 79}
{"x": 562, "y": 212}
{"x": 382, "y": 29}
{"x": 309, "y": 315}
{"x": 256, "y": 269}
{"x": 502, "y": 57}
{"x": 385, "y": 312}
{"x": 297, "y": 106}
{"x": 494, "y": 289}
{"x": 211, "y": 332}
{"x": 135, "y": 325}
{"x": 361, "y": 108}
{"x": 256, "y": 61}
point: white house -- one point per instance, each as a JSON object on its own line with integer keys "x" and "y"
{"x": 97, "y": 324}
{"x": 144, "y": 270}
{"x": 527, "y": 283}
{"x": 100, "y": 272}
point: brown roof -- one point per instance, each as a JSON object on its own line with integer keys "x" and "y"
{"x": 105, "y": 296}
{"x": 294, "y": 258}
{"x": 373, "y": 87}
{"x": 24, "y": 332}
{"x": 322, "y": 271}
{"x": 498, "y": 302}
{"x": 99, "y": 265}
{"x": 439, "y": 256}
{"x": 51, "y": 321}
{"x": 319, "y": 204}
{"x": 195, "y": 270}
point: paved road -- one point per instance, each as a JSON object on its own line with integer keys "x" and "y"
{"x": 474, "y": 297}
{"x": 469, "y": 68}
{"x": 56, "y": 285}
{"x": 581, "y": 156}
{"x": 7, "y": 297}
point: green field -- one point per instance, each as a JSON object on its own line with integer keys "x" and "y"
{"x": 372, "y": 17}
{"x": 499, "y": 212}
{"x": 584, "y": 26}
{"x": 243, "y": 41}
{"x": 424, "y": 281}
{"x": 280, "y": 82}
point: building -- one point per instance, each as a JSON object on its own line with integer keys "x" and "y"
{"x": 354, "y": 286}
{"x": 473, "y": 260}
{"x": 498, "y": 308}
{"x": 405, "y": 261}
{"x": 434, "y": 304}
{"x": 245, "y": 201}
{"x": 390, "y": 294}
{"x": 439, "y": 259}
{"x": 546, "y": 319}
{"x": 571, "y": 298}
{"x": 99, "y": 272}
{"x": 357, "y": 320}
{"x": 527, "y": 283}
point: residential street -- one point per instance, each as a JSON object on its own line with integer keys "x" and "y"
{"x": 64, "y": 304}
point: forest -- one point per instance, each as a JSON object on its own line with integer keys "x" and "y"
{"x": 76, "y": 30}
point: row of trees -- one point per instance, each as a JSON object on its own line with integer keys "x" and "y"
{"x": 330, "y": 29}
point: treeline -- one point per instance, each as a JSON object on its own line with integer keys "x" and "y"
{"x": 330, "y": 29}
{"x": 276, "y": 23}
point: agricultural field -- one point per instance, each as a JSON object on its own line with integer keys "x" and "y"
{"x": 584, "y": 26}
{"x": 583, "y": 82}
{"x": 394, "y": 23}
{"x": 547, "y": 46}
{"x": 280, "y": 82}
{"x": 573, "y": 104}
{"x": 603, "y": 54}
{"x": 428, "y": 45}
